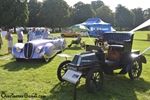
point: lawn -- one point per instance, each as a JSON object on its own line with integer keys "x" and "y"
{"x": 37, "y": 80}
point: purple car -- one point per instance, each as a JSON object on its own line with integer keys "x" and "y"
{"x": 39, "y": 48}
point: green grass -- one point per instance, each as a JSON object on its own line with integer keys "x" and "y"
{"x": 37, "y": 77}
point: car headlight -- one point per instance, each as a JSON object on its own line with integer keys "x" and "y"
{"x": 38, "y": 49}
{"x": 18, "y": 49}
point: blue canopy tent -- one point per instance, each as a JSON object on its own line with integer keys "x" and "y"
{"x": 97, "y": 26}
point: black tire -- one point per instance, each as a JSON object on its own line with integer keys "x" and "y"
{"x": 62, "y": 70}
{"x": 18, "y": 59}
{"x": 135, "y": 70}
{"x": 62, "y": 35}
{"x": 47, "y": 60}
{"x": 94, "y": 80}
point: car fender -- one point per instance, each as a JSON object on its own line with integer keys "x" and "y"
{"x": 63, "y": 44}
{"x": 140, "y": 57}
{"x": 134, "y": 58}
{"x": 129, "y": 61}
{"x": 17, "y": 45}
{"x": 49, "y": 50}
{"x": 60, "y": 44}
{"x": 20, "y": 45}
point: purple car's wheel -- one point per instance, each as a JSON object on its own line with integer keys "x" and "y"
{"x": 62, "y": 70}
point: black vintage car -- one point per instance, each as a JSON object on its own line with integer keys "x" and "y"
{"x": 104, "y": 59}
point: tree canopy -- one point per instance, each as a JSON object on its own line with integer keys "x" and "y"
{"x": 54, "y": 13}
{"x": 105, "y": 14}
{"x": 124, "y": 17}
{"x": 34, "y": 11}
{"x": 13, "y": 13}
{"x": 58, "y": 14}
{"x": 82, "y": 12}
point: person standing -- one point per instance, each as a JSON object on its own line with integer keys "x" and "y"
{"x": 1, "y": 41}
{"x": 30, "y": 30}
{"x": 46, "y": 33}
{"x": 9, "y": 38}
{"x": 38, "y": 33}
{"x": 31, "y": 34}
{"x": 20, "y": 35}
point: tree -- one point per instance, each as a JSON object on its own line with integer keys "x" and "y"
{"x": 54, "y": 13}
{"x": 147, "y": 14}
{"x": 105, "y": 14}
{"x": 34, "y": 10}
{"x": 82, "y": 12}
{"x": 97, "y": 4}
{"x": 124, "y": 17}
{"x": 70, "y": 17}
{"x": 139, "y": 16}
{"x": 13, "y": 13}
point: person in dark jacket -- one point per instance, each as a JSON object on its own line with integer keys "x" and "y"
{"x": 77, "y": 41}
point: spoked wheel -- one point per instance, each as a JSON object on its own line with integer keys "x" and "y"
{"x": 94, "y": 80}
{"x": 135, "y": 70}
{"x": 62, "y": 70}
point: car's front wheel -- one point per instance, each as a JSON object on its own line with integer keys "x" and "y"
{"x": 62, "y": 70}
{"x": 94, "y": 80}
{"x": 62, "y": 35}
{"x": 135, "y": 70}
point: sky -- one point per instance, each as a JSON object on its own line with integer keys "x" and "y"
{"x": 130, "y": 4}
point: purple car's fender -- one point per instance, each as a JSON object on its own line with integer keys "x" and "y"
{"x": 18, "y": 46}
{"x": 49, "y": 50}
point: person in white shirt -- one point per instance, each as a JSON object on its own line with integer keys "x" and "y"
{"x": 46, "y": 33}
{"x": 31, "y": 34}
{"x": 1, "y": 41}
{"x": 20, "y": 35}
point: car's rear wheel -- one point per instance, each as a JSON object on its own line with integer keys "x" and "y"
{"x": 94, "y": 80}
{"x": 135, "y": 70}
{"x": 62, "y": 70}
{"x": 62, "y": 35}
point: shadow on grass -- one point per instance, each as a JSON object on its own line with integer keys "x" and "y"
{"x": 74, "y": 47}
{"x": 142, "y": 40}
{"x": 25, "y": 64}
{"x": 114, "y": 88}
{"x": 4, "y": 54}
{"x": 147, "y": 54}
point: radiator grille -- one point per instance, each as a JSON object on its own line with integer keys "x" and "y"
{"x": 28, "y": 50}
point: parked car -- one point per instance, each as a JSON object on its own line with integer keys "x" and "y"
{"x": 39, "y": 48}
{"x": 70, "y": 34}
{"x": 104, "y": 59}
